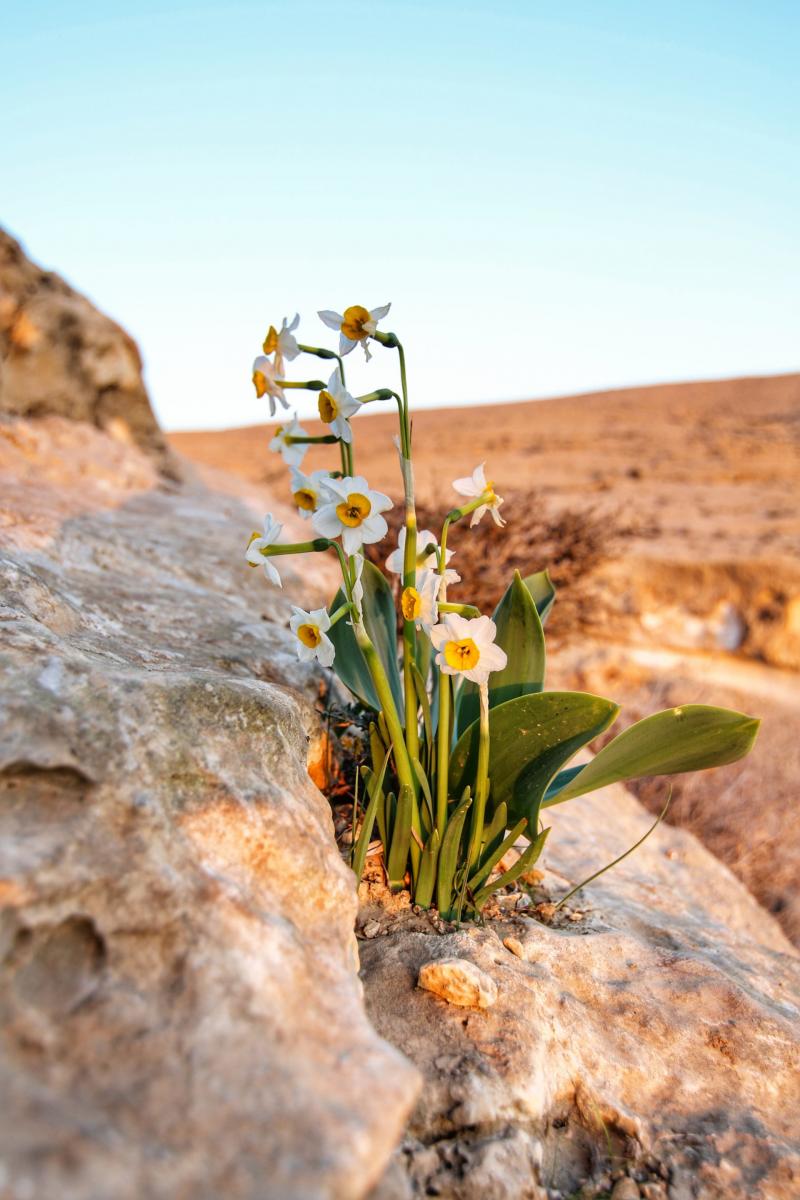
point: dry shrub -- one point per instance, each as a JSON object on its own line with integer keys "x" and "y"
{"x": 571, "y": 544}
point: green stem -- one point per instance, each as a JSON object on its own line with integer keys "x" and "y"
{"x": 324, "y": 439}
{"x": 409, "y": 629}
{"x": 481, "y": 781}
{"x": 319, "y": 351}
{"x": 341, "y": 612}
{"x": 405, "y": 774}
{"x": 310, "y": 385}
{"x": 311, "y": 547}
{"x": 443, "y": 731}
{"x": 442, "y": 752}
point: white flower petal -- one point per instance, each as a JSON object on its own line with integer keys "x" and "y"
{"x": 352, "y": 538}
{"x": 340, "y": 427}
{"x": 326, "y": 651}
{"x": 330, "y": 318}
{"x": 326, "y": 522}
{"x": 373, "y": 528}
{"x": 380, "y": 312}
{"x": 271, "y": 572}
{"x": 345, "y": 345}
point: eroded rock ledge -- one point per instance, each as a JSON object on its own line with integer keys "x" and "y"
{"x": 180, "y": 1012}
{"x": 60, "y": 356}
{"x": 657, "y": 1032}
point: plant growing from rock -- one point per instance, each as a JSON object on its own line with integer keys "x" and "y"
{"x": 468, "y": 749}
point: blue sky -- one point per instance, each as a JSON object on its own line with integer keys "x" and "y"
{"x": 555, "y": 197}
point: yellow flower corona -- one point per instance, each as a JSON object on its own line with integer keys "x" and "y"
{"x": 328, "y": 408}
{"x": 355, "y": 318}
{"x": 305, "y": 499}
{"x": 309, "y": 635}
{"x": 260, "y": 383}
{"x": 411, "y": 603}
{"x": 462, "y": 655}
{"x": 271, "y": 340}
{"x": 355, "y": 509}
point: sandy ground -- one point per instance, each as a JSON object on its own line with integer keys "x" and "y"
{"x": 695, "y": 596}
{"x": 706, "y": 469}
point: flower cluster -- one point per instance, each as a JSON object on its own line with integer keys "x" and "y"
{"x": 466, "y": 746}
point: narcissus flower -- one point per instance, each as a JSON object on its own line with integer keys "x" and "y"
{"x": 265, "y": 381}
{"x": 354, "y": 512}
{"x": 312, "y": 640}
{"x": 258, "y": 548}
{"x": 282, "y": 343}
{"x": 293, "y": 454}
{"x": 466, "y": 646}
{"x": 336, "y": 405}
{"x": 418, "y": 604}
{"x": 308, "y": 491}
{"x": 475, "y": 485}
{"x": 425, "y": 558}
{"x": 355, "y": 324}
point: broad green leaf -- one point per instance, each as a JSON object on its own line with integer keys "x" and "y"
{"x": 541, "y": 588}
{"x": 690, "y": 738}
{"x": 380, "y": 621}
{"x": 530, "y": 738}
{"x": 519, "y": 633}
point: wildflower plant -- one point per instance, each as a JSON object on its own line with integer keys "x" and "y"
{"x": 468, "y": 749}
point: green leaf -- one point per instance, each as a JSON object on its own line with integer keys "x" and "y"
{"x": 541, "y": 588}
{"x": 526, "y": 860}
{"x": 423, "y": 892}
{"x": 379, "y": 619}
{"x": 690, "y": 738}
{"x": 375, "y": 788}
{"x": 401, "y": 840}
{"x": 520, "y": 634}
{"x": 449, "y": 855}
{"x": 529, "y": 739}
{"x": 497, "y": 853}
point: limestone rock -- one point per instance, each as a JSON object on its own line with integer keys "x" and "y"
{"x": 458, "y": 981}
{"x": 660, "y": 1032}
{"x": 180, "y": 1012}
{"x": 60, "y": 356}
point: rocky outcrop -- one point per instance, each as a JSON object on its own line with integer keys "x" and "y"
{"x": 60, "y": 356}
{"x": 648, "y": 1031}
{"x": 180, "y": 1012}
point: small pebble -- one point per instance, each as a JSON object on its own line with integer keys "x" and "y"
{"x": 546, "y": 911}
{"x": 576, "y": 916}
{"x": 625, "y": 1189}
{"x": 371, "y": 929}
{"x": 654, "y": 1191}
{"x": 524, "y": 902}
{"x": 458, "y": 981}
{"x": 515, "y": 946}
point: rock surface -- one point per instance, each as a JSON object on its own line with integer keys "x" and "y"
{"x": 650, "y": 1029}
{"x": 180, "y": 1012}
{"x": 60, "y": 356}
